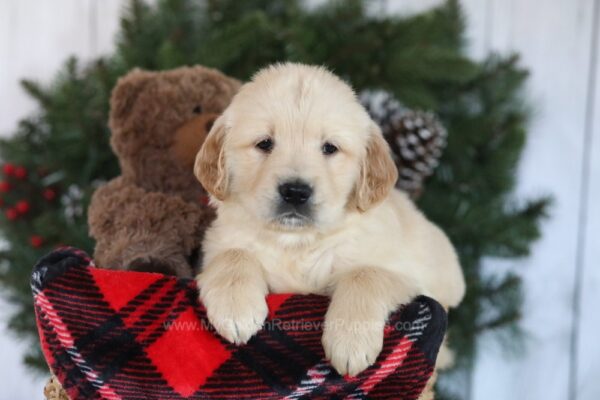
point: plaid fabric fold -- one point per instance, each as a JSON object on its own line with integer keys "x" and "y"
{"x": 132, "y": 335}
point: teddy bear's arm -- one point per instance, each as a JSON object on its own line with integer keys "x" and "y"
{"x": 150, "y": 231}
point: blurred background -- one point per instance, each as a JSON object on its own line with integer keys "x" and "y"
{"x": 517, "y": 188}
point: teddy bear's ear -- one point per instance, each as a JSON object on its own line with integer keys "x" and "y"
{"x": 234, "y": 85}
{"x": 126, "y": 92}
{"x": 210, "y": 165}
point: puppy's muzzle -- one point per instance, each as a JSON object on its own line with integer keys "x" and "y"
{"x": 294, "y": 208}
{"x": 295, "y": 193}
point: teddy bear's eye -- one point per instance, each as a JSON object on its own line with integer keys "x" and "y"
{"x": 197, "y": 110}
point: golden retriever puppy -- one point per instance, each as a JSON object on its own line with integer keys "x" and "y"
{"x": 303, "y": 182}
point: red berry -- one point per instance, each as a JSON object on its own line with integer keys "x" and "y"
{"x": 23, "y": 207}
{"x": 12, "y": 214}
{"x": 20, "y": 172}
{"x": 49, "y": 194}
{"x": 5, "y": 187}
{"x": 8, "y": 169}
{"x": 36, "y": 241}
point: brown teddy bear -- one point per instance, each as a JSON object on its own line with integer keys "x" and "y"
{"x": 152, "y": 217}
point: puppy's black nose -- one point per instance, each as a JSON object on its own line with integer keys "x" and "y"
{"x": 295, "y": 193}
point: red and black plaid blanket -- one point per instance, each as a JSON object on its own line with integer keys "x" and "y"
{"x": 131, "y": 335}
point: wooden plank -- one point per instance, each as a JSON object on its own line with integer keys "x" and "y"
{"x": 42, "y": 35}
{"x": 108, "y": 14}
{"x": 5, "y": 37}
{"x": 554, "y": 40}
{"x": 477, "y": 14}
{"x": 499, "y": 23}
{"x": 587, "y": 325}
{"x": 589, "y": 345}
{"x": 409, "y": 7}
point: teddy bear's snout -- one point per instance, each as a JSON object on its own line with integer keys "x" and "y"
{"x": 190, "y": 136}
{"x": 209, "y": 124}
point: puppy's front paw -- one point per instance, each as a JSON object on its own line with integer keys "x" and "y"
{"x": 352, "y": 345}
{"x": 236, "y": 314}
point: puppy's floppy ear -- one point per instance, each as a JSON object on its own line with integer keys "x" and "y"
{"x": 210, "y": 167}
{"x": 378, "y": 173}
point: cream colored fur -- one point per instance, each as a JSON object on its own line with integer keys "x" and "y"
{"x": 367, "y": 246}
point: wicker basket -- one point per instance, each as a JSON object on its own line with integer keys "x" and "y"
{"x": 54, "y": 391}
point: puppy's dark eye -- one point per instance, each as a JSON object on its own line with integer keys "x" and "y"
{"x": 197, "y": 110}
{"x": 265, "y": 145}
{"x": 329, "y": 149}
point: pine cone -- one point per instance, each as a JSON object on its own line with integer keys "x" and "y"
{"x": 416, "y": 138}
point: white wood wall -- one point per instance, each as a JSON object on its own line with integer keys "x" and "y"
{"x": 36, "y": 37}
{"x": 558, "y": 40}
{"x": 558, "y": 43}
